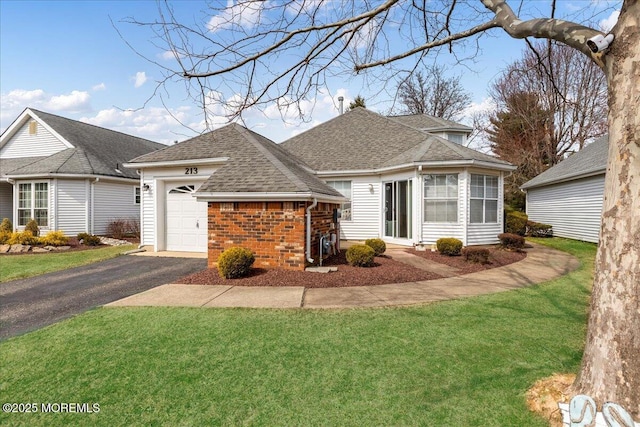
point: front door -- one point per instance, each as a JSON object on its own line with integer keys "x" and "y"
{"x": 397, "y": 209}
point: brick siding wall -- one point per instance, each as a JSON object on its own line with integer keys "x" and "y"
{"x": 274, "y": 231}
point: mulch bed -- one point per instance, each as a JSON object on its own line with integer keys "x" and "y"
{"x": 497, "y": 258}
{"x": 386, "y": 270}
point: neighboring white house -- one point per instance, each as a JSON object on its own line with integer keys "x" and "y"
{"x": 569, "y": 196}
{"x": 68, "y": 175}
{"x": 406, "y": 185}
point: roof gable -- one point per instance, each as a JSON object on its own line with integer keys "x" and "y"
{"x": 591, "y": 160}
{"x": 87, "y": 149}
{"x": 255, "y": 164}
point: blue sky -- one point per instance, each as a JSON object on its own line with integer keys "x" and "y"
{"x": 66, "y": 58}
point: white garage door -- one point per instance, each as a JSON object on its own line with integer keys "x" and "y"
{"x": 186, "y": 220}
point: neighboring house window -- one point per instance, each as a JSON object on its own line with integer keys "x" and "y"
{"x": 136, "y": 195}
{"x": 458, "y": 138}
{"x": 344, "y": 187}
{"x": 441, "y": 198}
{"x": 33, "y": 202}
{"x": 484, "y": 199}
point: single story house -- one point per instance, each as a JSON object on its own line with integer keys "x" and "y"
{"x": 234, "y": 187}
{"x": 408, "y": 179}
{"x": 68, "y": 175}
{"x": 390, "y": 178}
{"x": 569, "y": 195}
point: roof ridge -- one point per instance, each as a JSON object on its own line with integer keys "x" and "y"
{"x": 272, "y": 158}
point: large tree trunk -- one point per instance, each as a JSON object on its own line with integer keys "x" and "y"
{"x": 611, "y": 362}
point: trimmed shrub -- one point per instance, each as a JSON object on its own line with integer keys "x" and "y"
{"x": 476, "y": 255}
{"x": 4, "y": 236}
{"x": 360, "y": 255}
{"x": 378, "y": 245}
{"x": 6, "y": 225}
{"x": 449, "y": 246}
{"x": 537, "y": 229}
{"x": 511, "y": 241}
{"x": 120, "y": 228}
{"x": 32, "y": 226}
{"x": 25, "y": 237}
{"x": 235, "y": 262}
{"x": 516, "y": 223}
{"x": 88, "y": 239}
{"x": 54, "y": 238}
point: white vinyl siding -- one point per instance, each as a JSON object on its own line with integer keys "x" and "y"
{"x": 23, "y": 144}
{"x": 112, "y": 201}
{"x": 573, "y": 208}
{"x": 72, "y": 206}
{"x": 366, "y": 207}
{"x": 147, "y": 209}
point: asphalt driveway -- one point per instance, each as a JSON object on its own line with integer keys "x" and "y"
{"x": 29, "y": 304}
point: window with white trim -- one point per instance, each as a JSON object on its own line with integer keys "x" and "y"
{"x": 344, "y": 188}
{"x": 136, "y": 195}
{"x": 457, "y": 138}
{"x": 441, "y": 198}
{"x": 484, "y": 199}
{"x": 33, "y": 203}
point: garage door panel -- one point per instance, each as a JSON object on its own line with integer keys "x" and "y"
{"x": 186, "y": 229}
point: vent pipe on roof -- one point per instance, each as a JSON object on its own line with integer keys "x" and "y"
{"x": 341, "y": 104}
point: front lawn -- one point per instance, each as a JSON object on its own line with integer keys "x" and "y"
{"x": 27, "y": 265}
{"x": 455, "y": 363}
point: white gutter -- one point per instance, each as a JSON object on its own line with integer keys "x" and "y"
{"x": 313, "y": 205}
{"x": 93, "y": 204}
{"x": 172, "y": 163}
{"x": 434, "y": 164}
{"x": 266, "y": 196}
{"x": 69, "y": 175}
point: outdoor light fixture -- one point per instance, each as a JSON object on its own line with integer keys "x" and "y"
{"x": 145, "y": 187}
{"x": 371, "y": 188}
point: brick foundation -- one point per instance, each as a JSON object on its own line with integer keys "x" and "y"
{"x": 273, "y": 231}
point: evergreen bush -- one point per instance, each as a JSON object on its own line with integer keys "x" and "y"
{"x": 54, "y": 238}
{"x": 378, "y": 245}
{"x": 511, "y": 241}
{"x": 449, "y": 246}
{"x": 32, "y": 226}
{"x": 235, "y": 262}
{"x": 360, "y": 256}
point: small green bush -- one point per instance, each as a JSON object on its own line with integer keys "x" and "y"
{"x": 378, "y": 245}
{"x": 54, "y": 238}
{"x": 511, "y": 241}
{"x": 476, "y": 255}
{"x": 360, "y": 256}
{"x": 25, "y": 237}
{"x": 88, "y": 239}
{"x": 537, "y": 229}
{"x": 235, "y": 262}
{"x": 6, "y": 225}
{"x": 32, "y": 226}
{"x": 516, "y": 223}
{"x": 449, "y": 246}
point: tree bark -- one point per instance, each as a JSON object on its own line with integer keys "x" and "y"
{"x": 611, "y": 362}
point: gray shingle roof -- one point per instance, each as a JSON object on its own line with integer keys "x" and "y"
{"x": 430, "y": 123}
{"x": 256, "y": 164}
{"x": 362, "y": 140}
{"x": 591, "y": 160}
{"x": 97, "y": 151}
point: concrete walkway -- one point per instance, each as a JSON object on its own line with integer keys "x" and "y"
{"x": 541, "y": 264}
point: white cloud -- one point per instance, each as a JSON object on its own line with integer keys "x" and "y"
{"x": 140, "y": 78}
{"x": 76, "y": 101}
{"x": 98, "y": 87}
{"x": 246, "y": 14}
{"x": 168, "y": 55}
{"x": 607, "y": 24}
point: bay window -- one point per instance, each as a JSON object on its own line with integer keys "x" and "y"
{"x": 484, "y": 199}
{"x": 441, "y": 198}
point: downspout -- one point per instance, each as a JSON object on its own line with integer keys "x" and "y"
{"x": 313, "y": 205}
{"x": 93, "y": 192}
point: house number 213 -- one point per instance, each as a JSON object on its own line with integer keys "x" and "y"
{"x": 191, "y": 171}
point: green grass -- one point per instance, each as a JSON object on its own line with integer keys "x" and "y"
{"x": 28, "y": 265}
{"x": 457, "y": 363}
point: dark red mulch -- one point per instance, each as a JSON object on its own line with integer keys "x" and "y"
{"x": 497, "y": 258}
{"x": 385, "y": 270}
